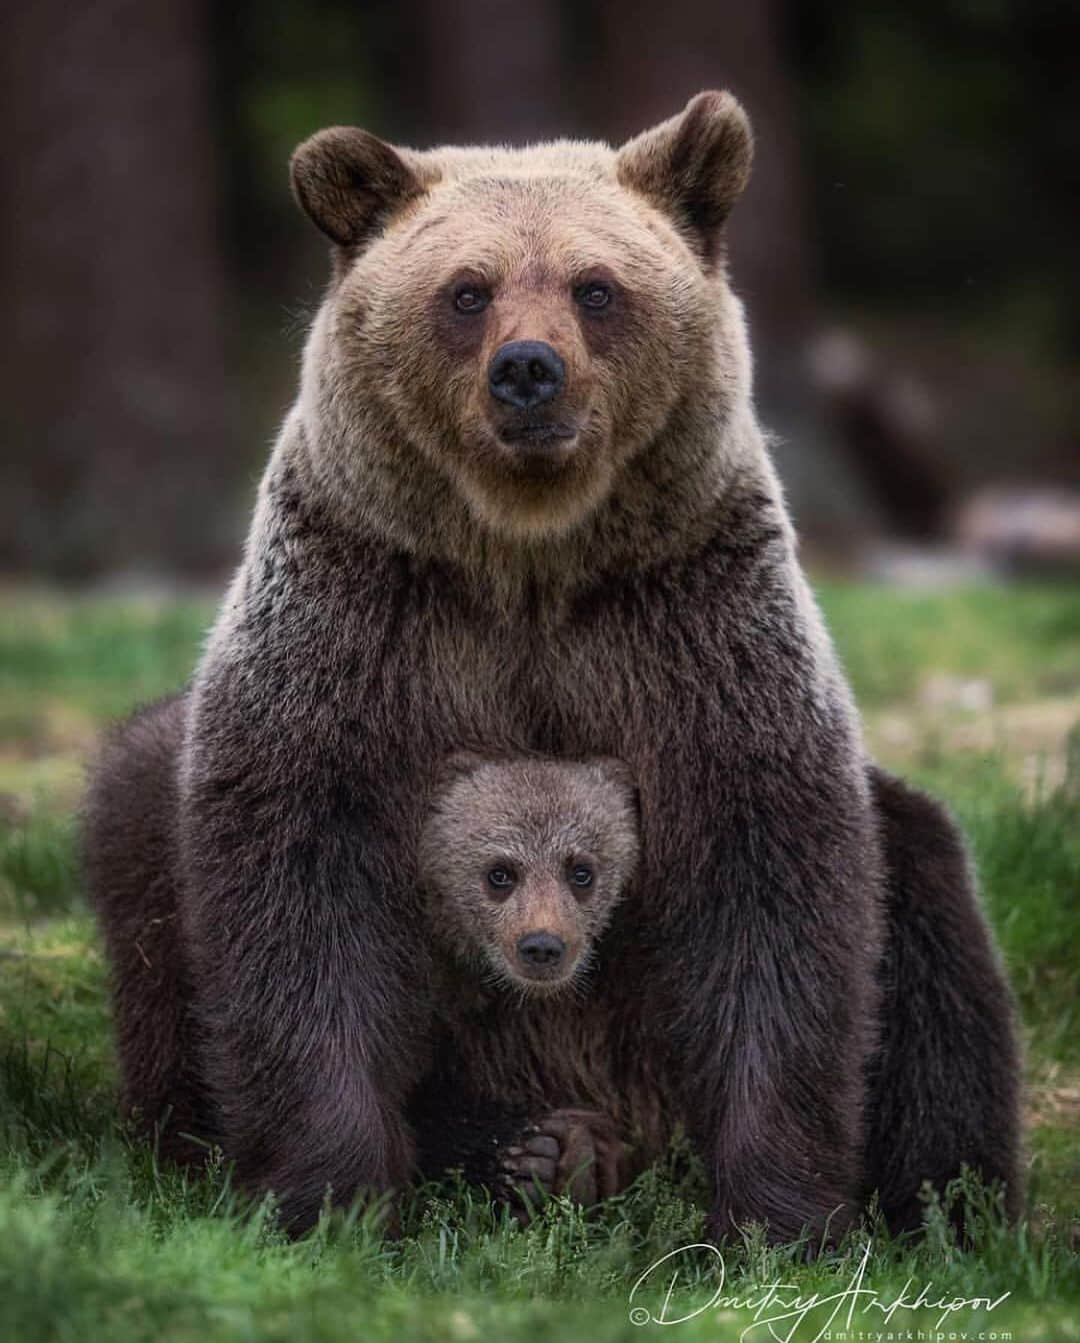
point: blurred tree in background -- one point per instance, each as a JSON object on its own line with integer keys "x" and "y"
{"x": 114, "y": 399}
{"x": 916, "y": 184}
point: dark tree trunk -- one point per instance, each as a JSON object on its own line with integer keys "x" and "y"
{"x": 114, "y": 408}
{"x": 492, "y": 70}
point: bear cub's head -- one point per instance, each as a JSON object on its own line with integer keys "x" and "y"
{"x": 524, "y": 860}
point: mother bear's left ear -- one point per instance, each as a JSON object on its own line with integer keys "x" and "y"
{"x": 694, "y": 167}
{"x": 350, "y": 183}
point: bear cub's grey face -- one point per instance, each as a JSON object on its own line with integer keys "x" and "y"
{"x": 523, "y": 862}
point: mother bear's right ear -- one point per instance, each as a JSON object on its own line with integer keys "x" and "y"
{"x": 693, "y": 167}
{"x": 350, "y": 182}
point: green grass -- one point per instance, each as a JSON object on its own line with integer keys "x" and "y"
{"x": 99, "y": 1242}
{"x": 1025, "y": 641}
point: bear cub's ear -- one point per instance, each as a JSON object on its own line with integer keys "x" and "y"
{"x": 694, "y": 167}
{"x": 615, "y": 771}
{"x": 457, "y": 765}
{"x": 350, "y": 182}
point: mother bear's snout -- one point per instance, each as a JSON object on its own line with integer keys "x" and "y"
{"x": 526, "y": 374}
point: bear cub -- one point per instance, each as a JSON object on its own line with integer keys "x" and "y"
{"x": 523, "y": 862}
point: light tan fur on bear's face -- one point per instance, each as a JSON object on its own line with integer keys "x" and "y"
{"x": 504, "y": 854}
{"x": 532, "y": 245}
{"x": 396, "y": 400}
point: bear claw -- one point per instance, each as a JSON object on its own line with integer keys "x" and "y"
{"x": 568, "y": 1151}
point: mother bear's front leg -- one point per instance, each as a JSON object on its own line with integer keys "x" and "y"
{"x": 307, "y": 977}
{"x": 772, "y": 979}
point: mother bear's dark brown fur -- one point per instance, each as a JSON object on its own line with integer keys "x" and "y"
{"x": 580, "y": 553}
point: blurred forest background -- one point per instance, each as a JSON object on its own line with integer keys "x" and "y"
{"x": 907, "y": 247}
{"x": 907, "y": 250}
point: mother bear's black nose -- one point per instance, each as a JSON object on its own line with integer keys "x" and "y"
{"x": 526, "y": 373}
{"x": 541, "y": 949}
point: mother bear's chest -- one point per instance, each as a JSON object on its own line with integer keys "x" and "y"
{"x": 604, "y": 679}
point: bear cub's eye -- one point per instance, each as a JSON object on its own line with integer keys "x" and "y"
{"x": 471, "y": 299}
{"x": 581, "y": 874}
{"x": 500, "y": 878}
{"x": 594, "y": 295}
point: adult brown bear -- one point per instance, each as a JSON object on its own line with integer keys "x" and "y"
{"x": 522, "y": 504}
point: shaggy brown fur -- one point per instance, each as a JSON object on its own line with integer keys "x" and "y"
{"x": 415, "y": 581}
{"x": 945, "y": 1083}
{"x": 131, "y": 862}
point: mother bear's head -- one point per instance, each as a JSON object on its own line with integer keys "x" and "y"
{"x": 522, "y": 324}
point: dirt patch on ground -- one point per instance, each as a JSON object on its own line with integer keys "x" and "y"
{"x": 1032, "y": 738}
{"x": 1054, "y": 1100}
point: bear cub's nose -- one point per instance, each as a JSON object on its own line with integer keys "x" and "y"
{"x": 525, "y": 374}
{"x": 541, "y": 950}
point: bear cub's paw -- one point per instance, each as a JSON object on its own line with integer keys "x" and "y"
{"x": 569, "y": 1151}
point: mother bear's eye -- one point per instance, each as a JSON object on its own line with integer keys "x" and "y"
{"x": 594, "y": 294}
{"x": 500, "y": 878}
{"x": 471, "y": 299}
